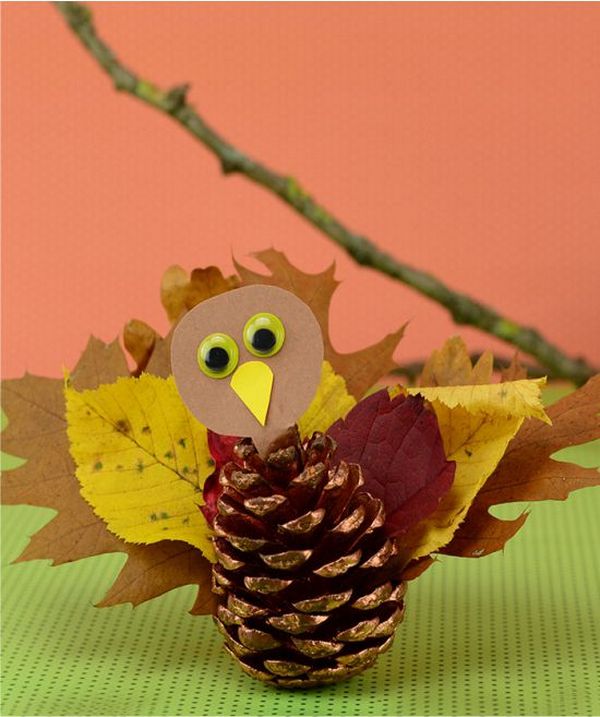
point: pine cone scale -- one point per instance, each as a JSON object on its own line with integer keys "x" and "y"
{"x": 340, "y": 565}
{"x": 297, "y": 624}
{"x": 317, "y": 648}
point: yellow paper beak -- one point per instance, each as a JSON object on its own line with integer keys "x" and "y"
{"x": 253, "y": 383}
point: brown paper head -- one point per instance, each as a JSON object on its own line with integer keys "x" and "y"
{"x": 258, "y": 395}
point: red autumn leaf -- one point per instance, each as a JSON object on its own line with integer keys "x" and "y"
{"x": 398, "y": 445}
{"x": 221, "y": 450}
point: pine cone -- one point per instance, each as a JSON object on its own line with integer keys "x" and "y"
{"x": 307, "y": 580}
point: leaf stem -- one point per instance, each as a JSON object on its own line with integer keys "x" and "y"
{"x": 463, "y": 309}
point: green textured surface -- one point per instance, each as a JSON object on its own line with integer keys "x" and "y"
{"x": 511, "y": 634}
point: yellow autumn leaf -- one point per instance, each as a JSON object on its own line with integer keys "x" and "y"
{"x": 476, "y": 424}
{"x": 512, "y": 398}
{"x": 331, "y": 402}
{"x": 142, "y": 460}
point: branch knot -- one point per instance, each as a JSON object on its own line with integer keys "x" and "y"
{"x": 176, "y": 98}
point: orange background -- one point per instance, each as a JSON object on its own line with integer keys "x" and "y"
{"x": 462, "y": 138}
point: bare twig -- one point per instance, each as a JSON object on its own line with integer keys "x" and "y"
{"x": 464, "y": 310}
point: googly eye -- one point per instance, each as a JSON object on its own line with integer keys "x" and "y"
{"x": 264, "y": 335}
{"x": 217, "y": 355}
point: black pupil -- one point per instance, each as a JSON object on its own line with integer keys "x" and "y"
{"x": 216, "y": 359}
{"x": 263, "y": 340}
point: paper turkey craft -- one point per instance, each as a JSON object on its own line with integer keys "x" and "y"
{"x": 261, "y": 454}
{"x": 308, "y": 581}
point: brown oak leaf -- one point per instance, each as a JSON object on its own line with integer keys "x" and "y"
{"x": 417, "y": 567}
{"x": 527, "y": 472}
{"x": 515, "y": 371}
{"x": 451, "y": 366}
{"x": 180, "y": 293}
{"x": 159, "y": 362}
{"x": 150, "y": 351}
{"x": 139, "y": 340}
{"x": 152, "y": 570}
{"x": 36, "y": 431}
{"x": 361, "y": 369}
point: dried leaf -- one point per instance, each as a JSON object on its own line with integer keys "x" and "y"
{"x": 139, "y": 340}
{"x": 361, "y": 369}
{"x": 476, "y": 443}
{"x": 477, "y": 423}
{"x": 483, "y": 369}
{"x": 179, "y": 293}
{"x": 417, "y": 567}
{"x": 451, "y": 366}
{"x": 398, "y": 445}
{"x": 142, "y": 460}
{"x": 527, "y": 472}
{"x": 99, "y": 363}
{"x": 173, "y": 288}
{"x": 159, "y": 363}
{"x": 158, "y": 568}
{"x": 516, "y": 398}
{"x": 36, "y": 430}
{"x": 515, "y": 371}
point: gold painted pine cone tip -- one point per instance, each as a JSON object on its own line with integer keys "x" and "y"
{"x": 306, "y": 578}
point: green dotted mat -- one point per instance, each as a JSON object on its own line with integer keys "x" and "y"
{"x": 514, "y": 633}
